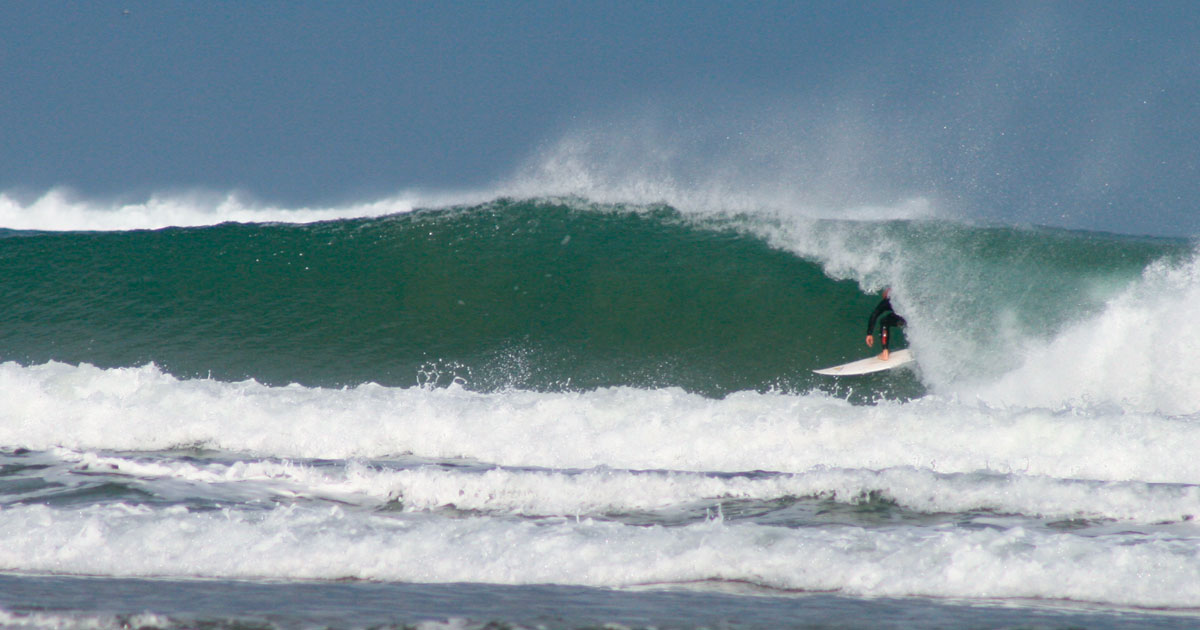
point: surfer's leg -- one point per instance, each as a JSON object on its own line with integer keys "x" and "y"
{"x": 889, "y": 320}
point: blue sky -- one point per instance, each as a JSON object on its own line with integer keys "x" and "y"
{"x": 1081, "y": 115}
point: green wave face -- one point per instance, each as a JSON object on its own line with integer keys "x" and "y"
{"x": 547, "y": 295}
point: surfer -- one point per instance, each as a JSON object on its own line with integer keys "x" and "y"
{"x": 889, "y": 318}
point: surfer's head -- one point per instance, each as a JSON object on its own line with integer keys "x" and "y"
{"x": 887, "y": 291}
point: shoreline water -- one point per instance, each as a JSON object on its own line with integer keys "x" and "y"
{"x": 123, "y": 602}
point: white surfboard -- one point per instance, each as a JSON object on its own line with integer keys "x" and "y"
{"x": 870, "y": 364}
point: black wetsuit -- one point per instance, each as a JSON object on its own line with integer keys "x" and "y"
{"x": 890, "y": 318}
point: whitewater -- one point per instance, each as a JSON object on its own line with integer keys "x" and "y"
{"x": 541, "y": 397}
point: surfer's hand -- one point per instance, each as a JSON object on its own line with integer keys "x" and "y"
{"x": 870, "y": 341}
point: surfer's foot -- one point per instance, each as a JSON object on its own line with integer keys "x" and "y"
{"x": 883, "y": 356}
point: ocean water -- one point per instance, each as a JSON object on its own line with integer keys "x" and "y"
{"x": 565, "y": 412}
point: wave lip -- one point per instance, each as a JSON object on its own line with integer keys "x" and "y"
{"x": 59, "y": 210}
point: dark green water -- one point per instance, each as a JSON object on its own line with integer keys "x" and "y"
{"x": 534, "y": 294}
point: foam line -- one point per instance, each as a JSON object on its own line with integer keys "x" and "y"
{"x": 541, "y": 493}
{"x": 87, "y": 408}
{"x": 333, "y": 543}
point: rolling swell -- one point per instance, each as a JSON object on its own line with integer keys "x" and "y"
{"x": 538, "y": 295}
{"x": 530, "y": 295}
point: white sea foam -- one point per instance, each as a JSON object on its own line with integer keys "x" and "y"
{"x": 600, "y": 491}
{"x": 59, "y": 210}
{"x": 83, "y": 407}
{"x": 42, "y": 620}
{"x": 1139, "y": 353}
{"x": 331, "y": 542}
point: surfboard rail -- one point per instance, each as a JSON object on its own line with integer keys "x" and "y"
{"x": 869, "y": 364}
